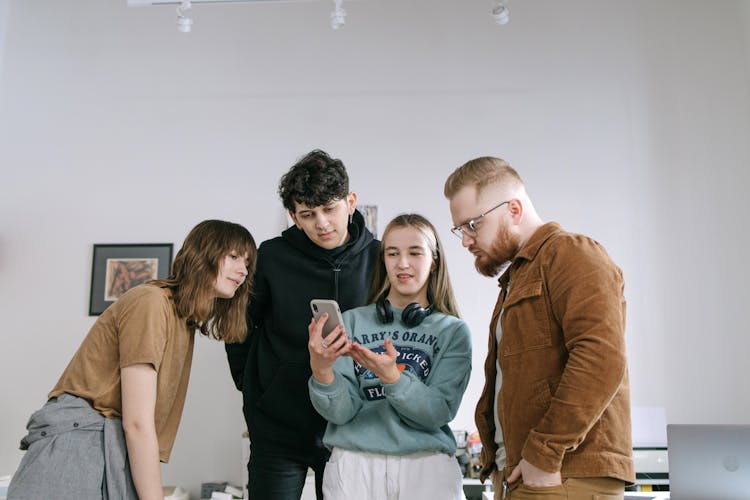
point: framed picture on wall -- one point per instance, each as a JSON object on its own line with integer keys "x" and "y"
{"x": 370, "y": 213}
{"x": 116, "y": 268}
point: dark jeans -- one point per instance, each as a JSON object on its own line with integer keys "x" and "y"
{"x": 276, "y": 473}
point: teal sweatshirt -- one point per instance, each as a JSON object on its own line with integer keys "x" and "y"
{"x": 412, "y": 414}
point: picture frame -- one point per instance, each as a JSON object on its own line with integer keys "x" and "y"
{"x": 116, "y": 268}
{"x": 370, "y": 213}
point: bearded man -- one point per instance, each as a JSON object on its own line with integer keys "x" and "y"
{"x": 554, "y": 415}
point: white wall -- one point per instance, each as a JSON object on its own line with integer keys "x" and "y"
{"x": 628, "y": 120}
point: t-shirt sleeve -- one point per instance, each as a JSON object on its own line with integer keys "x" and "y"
{"x": 142, "y": 328}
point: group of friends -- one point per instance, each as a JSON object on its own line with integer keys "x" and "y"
{"x": 367, "y": 406}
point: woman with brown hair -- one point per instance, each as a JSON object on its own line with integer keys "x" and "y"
{"x": 114, "y": 413}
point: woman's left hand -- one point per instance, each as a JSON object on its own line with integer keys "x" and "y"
{"x": 382, "y": 365}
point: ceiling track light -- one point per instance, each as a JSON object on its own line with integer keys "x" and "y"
{"x": 500, "y": 12}
{"x": 338, "y": 16}
{"x": 184, "y": 21}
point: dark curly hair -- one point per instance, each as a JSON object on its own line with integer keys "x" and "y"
{"x": 316, "y": 179}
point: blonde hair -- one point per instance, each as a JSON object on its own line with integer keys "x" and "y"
{"x": 193, "y": 278}
{"x": 481, "y": 172}
{"x": 439, "y": 288}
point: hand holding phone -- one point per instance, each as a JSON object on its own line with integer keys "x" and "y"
{"x": 324, "y": 351}
{"x": 331, "y": 307}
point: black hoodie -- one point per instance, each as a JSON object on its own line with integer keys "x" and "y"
{"x": 272, "y": 366}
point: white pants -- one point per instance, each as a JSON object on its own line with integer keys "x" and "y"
{"x": 371, "y": 476}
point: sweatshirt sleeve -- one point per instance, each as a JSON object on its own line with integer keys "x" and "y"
{"x": 434, "y": 403}
{"x": 339, "y": 401}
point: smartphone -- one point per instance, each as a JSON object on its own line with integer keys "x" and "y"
{"x": 320, "y": 306}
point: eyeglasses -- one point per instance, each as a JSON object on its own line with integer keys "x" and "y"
{"x": 470, "y": 228}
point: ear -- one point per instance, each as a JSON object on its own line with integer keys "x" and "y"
{"x": 515, "y": 206}
{"x": 351, "y": 201}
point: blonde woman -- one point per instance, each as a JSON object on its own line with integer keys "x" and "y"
{"x": 389, "y": 401}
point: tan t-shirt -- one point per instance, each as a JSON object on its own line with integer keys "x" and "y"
{"x": 142, "y": 326}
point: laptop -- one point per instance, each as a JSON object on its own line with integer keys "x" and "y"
{"x": 708, "y": 462}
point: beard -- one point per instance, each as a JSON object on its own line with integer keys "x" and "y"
{"x": 504, "y": 247}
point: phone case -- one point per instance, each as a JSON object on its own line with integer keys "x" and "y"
{"x": 320, "y": 306}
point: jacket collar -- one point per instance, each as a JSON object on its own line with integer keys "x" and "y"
{"x": 530, "y": 249}
{"x": 540, "y": 236}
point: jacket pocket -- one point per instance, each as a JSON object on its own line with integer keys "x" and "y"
{"x": 525, "y": 320}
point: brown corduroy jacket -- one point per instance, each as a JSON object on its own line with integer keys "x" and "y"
{"x": 564, "y": 403}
